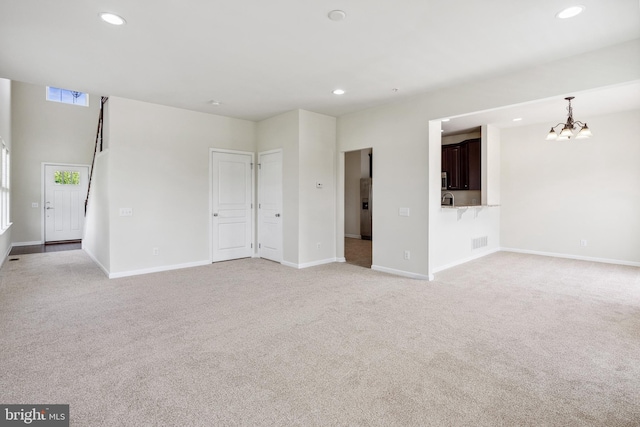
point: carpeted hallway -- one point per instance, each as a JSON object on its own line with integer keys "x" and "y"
{"x": 506, "y": 340}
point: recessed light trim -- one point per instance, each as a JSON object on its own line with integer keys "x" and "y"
{"x": 338, "y": 92}
{"x": 570, "y": 12}
{"x": 214, "y": 102}
{"x": 445, "y": 120}
{"x": 112, "y": 18}
{"x": 517, "y": 119}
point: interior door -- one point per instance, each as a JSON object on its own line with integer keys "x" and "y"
{"x": 65, "y": 189}
{"x": 231, "y": 205}
{"x": 270, "y": 205}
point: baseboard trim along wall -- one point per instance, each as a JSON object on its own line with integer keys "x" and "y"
{"x": 144, "y": 270}
{"x": 402, "y": 273}
{"x": 465, "y": 260}
{"x": 95, "y": 260}
{"x": 158, "y": 269}
{"x": 37, "y": 242}
{"x": 570, "y": 256}
{"x": 353, "y": 236}
{"x": 309, "y": 264}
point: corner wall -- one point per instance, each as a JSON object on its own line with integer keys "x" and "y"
{"x": 557, "y": 193}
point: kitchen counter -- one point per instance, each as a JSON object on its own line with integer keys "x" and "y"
{"x": 462, "y": 209}
{"x": 468, "y": 206}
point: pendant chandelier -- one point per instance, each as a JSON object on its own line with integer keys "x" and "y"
{"x": 569, "y": 127}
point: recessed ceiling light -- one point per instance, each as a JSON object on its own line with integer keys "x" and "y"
{"x": 338, "y": 92}
{"x": 214, "y": 102}
{"x": 337, "y": 15}
{"x": 517, "y": 119}
{"x": 570, "y": 12}
{"x": 112, "y": 18}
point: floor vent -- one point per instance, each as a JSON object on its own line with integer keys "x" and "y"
{"x": 479, "y": 242}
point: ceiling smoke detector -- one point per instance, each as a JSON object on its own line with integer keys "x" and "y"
{"x": 337, "y": 15}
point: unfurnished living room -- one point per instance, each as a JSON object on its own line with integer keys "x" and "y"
{"x": 420, "y": 213}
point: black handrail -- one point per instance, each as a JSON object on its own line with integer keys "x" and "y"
{"x": 103, "y": 100}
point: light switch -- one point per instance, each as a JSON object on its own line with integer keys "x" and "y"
{"x": 34, "y": 204}
{"x": 403, "y": 211}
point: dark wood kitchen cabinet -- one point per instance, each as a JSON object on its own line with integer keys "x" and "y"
{"x": 461, "y": 162}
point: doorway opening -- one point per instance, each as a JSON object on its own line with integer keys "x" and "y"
{"x": 358, "y": 207}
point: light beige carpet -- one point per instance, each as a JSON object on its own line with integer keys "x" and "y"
{"x": 506, "y": 340}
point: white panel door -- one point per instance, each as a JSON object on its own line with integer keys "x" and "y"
{"x": 231, "y": 205}
{"x": 270, "y": 206}
{"x": 65, "y": 190}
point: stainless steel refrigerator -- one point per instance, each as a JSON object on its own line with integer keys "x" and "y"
{"x": 365, "y": 208}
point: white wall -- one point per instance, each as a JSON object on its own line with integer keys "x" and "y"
{"x": 5, "y": 135}
{"x": 97, "y": 228}
{"x": 557, "y": 193}
{"x": 398, "y": 135}
{"x": 44, "y": 131}
{"x": 159, "y": 166}
{"x": 283, "y": 132}
{"x": 308, "y": 144}
{"x": 317, "y": 206}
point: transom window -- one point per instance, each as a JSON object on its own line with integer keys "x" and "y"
{"x": 67, "y": 96}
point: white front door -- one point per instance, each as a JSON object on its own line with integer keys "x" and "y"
{"x": 231, "y": 205}
{"x": 65, "y": 190}
{"x": 270, "y": 205}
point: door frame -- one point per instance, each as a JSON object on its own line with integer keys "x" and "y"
{"x": 43, "y": 224}
{"x": 253, "y": 197}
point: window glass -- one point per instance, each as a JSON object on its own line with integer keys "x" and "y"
{"x": 66, "y": 177}
{"x": 67, "y": 96}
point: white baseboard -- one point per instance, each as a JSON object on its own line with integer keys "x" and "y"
{"x": 309, "y": 264}
{"x": 6, "y": 255}
{"x": 341, "y": 259}
{"x": 571, "y": 256}
{"x": 465, "y": 260}
{"x": 353, "y": 236}
{"x": 158, "y": 269}
{"x": 402, "y": 273}
{"x": 38, "y": 242}
{"x": 94, "y": 259}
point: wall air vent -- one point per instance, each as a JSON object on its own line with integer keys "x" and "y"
{"x": 479, "y": 242}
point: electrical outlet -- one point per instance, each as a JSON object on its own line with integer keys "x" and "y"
{"x": 156, "y": 251}
{"x": 318, "y": 245}
{"x": 126, "y": 211}
{"x": 34, "y": 204}
{"x": 407, "y": 255}
{"x": 583, "y": 242}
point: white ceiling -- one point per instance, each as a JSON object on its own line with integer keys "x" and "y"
{"x": 261, "y": 58}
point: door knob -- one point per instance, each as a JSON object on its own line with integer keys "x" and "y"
{"x": 215, "y": 214}
{"x": 48, "y": 207}
{"x": 277, "y": 215}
